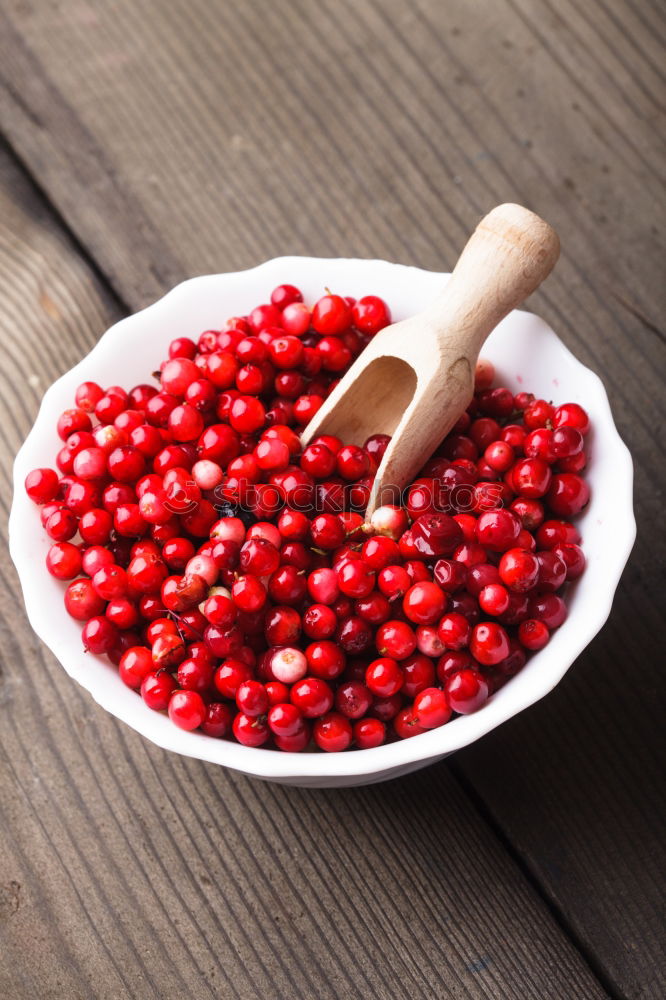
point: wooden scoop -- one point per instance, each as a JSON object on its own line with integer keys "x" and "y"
{"x": 416, "y": 377}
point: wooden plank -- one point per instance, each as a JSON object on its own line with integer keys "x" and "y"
{"x": 126, "y": 871}
{"x": 242, "y": 131}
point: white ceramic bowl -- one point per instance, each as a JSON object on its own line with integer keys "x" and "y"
{"x": 526, "y": 353}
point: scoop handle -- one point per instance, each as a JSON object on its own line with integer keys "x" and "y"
{"x": 506, "y": 258}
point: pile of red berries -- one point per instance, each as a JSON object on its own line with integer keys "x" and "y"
{"x": 230, "y": 573}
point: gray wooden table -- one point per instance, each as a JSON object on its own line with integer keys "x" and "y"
{"x": 146, "y": 142}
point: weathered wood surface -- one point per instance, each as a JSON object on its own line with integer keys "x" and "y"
{"x": 125, "y": 871}
{"x": 191, "y": 137}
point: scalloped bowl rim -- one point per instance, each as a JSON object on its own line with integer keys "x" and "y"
{"x": 411, "y": 287}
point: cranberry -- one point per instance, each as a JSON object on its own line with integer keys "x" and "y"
{"x": 369, "y": 733}
{"x": 82, "y": 602}
{"x": 110, "y": 581}
{"x": 431, "y": 708}
{"x": 352, "y": 462}
{"x": 424, "y": 603}
{"x": 99, "y": 635}
{"x": 494, "y": 599}
{"x": 332, "y": 733}
{"x": 371, "y": 314}
{"x": 87, "y": 396}
{"x": 571, "y": 415}
{"x": 252, "y": 699}
{"x": 248, "y": 593}
{"x": 62, "y": 525}
{"x": 552, "y": 571}
{"x": 436, "y": 535}
{"x": 187, "y": 709}
{"x": 374, "y": 608}
{"x": 156, "y": 690}
{"x": 353, "y": 635}
{"x": 499, "y": 456}
{"x": 406, "y": 724}
{"x": 466, "y": 691}
{"x": 573, "y": 558}
{"x": 418, "y": 673}
{"x": 289, "y": 665}
{"x": 533, "y": 634}
{"x": 312, "y": 696}
{"x": 489, "y": 644}
{"x": 168, "y": 650}
{"x": 519, "y": 570}
{"x": 217, "y": 721}
{"x": 454, "y": 630}
{"x": 549, "y": 609}
{"x": 325, "y": 659}
{"x": 42, "y": 485}
{"x": 63, "y": 561}
{"x": 356, "y": 579}
{"x": 498, "y": 530}
{"x": 568, "y": 494}
{"x": 331, "y": 315}
{"x": 384, "y": 677}
{"x": 319, "y": 622}
{"x": 451, "y": 662}
{"x": 395, "y": 639}
{"x": 296, "y": 319}
{"x": 353, "y": 699}
{"x": 394, "y": 581}
{"x": 450, "y": 575}
{"x": 135, "y": 665}
{"x": 379, "y": 552}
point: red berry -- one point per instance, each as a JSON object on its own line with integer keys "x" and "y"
{"x": 82, "y": 602}
{"x": 436, "y": 535}
{"x": 568, "y": 494}
{"x": 331, "y": 315}
{"x": 187, "y": 709}
{"x": 217, "y": 721}
{"x": 571, "y": 415}
{"x": 466, "y": 691}
{"x": 229, "y": 676}
{"x": 312, "y": 696}
{"x": 369, "y": 733}
{"x": 99, "y": 635}
{"x": 384, "y": 677}
{"x": 333, "y": 733}
{"x": 395, "y": 639}
{"x": 251, "y": 698}
{"x": 371, "y": 314}
{"x": 533, "y": 634}
{"x": 135, "y": 665}
{"x": 424, "y": 603}
{"x": 454, "y": 630}
{"x": 489, "y": 644}
{"x": 531, "y": 477}
{"x": 431, "y": 708}
{"x": 519, "y": 570}
{"x": 406, "y": 724}
{"x": 156, "y": 690}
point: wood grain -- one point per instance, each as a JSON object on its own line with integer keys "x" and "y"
{"x": 126, "y": 871}
{"x": 189, "y": 137}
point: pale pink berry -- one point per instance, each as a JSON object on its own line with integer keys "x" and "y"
{"x": 389, "y": 520}
{"x": 206, "y": 474}
{"x": 228, "y": 529}
{"x": 203, "y": 566}
{"x": 428, "y": 641}
{"x": 289, "y": 665}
